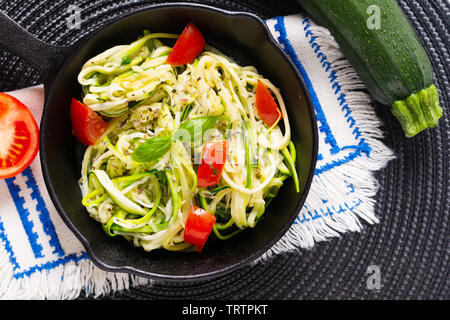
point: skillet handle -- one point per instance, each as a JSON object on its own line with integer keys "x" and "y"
{"x": 43, "y": 57}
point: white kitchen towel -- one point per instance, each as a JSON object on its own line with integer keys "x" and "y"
{"x": 41, "y": 259}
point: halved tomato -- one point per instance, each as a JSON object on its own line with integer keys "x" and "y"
{"x": 188, "y": 46}
{"x": 87, "y": 125}
{"x": 19, "y": 136}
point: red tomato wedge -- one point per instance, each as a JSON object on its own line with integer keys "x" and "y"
{"x": 19, "y": 136}
{"x": 266, "y": 106}
{"x": 198, "y": 227}
{"x": 214, "y": 156}
{"x": 87, "y": 125}
{"x": 188, "y": 46}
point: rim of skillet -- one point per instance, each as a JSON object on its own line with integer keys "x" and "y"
{"x": 133, "y": 270}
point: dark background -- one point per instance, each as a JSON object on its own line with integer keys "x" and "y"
{"x": 411, "y": 243}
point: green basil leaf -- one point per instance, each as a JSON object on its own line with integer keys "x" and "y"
{"x": 195, "y": 127}
{"x": 152, "y": 149}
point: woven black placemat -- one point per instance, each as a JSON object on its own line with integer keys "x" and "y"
{"x": 411, "y": 243}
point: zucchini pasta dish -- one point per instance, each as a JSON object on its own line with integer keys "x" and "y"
{"x": 183, "y": 143}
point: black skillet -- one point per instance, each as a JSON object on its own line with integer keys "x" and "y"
{"x": 241, "y": 36}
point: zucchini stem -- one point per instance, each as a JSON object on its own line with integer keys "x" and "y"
{"x": 419, "y": 111}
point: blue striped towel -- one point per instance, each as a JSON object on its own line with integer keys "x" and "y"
{"x": 41, "y": 259}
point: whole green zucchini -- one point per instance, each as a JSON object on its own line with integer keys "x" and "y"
{"x": 378, "y": 40}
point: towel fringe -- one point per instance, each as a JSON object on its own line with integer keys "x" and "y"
{"x": 74, "y": 279}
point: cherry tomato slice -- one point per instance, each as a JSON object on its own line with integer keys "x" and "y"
{"x": 19, "y": 136}
{"x": 214, "y": 156}
{"x": 188, "y": 46}
{"x": 266, "y": 106}
{"x": 87, "y": 125}
{"x": 198, "y": 227}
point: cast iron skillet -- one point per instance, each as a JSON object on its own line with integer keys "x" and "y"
{"x": 239, "y": 35}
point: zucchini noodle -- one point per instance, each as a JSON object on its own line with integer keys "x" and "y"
{"x": 142, "y": 97}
